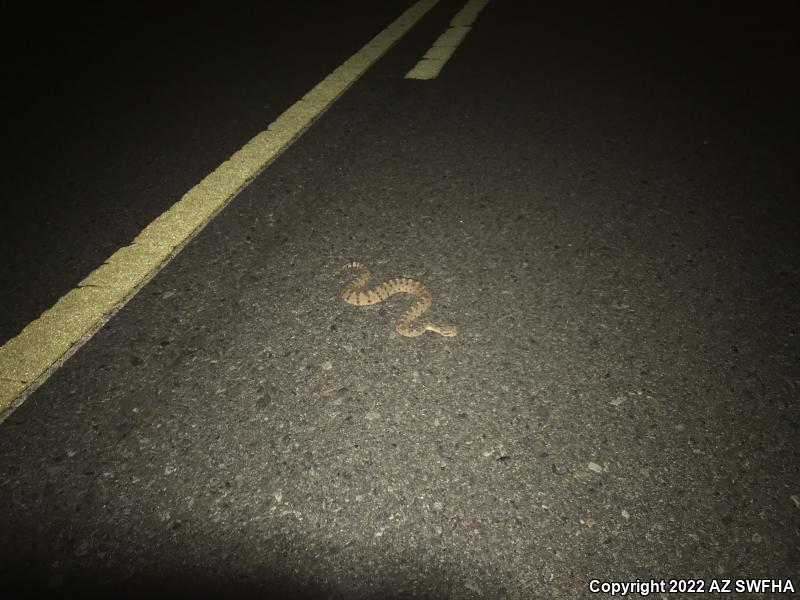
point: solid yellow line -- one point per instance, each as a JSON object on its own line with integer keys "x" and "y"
{"x": 443, "y": 48}
{"x": 44, "y": 344}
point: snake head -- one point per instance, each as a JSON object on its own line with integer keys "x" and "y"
{"x": 445, "y": 330}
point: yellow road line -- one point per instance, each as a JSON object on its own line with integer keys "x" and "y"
{"x": 443, "y": 48}
{"x": 44, "y": 344}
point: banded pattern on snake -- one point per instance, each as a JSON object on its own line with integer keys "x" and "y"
{"x": 353, "y": 293}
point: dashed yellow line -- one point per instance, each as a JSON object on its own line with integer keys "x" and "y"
{"x": 443, "y": 48}
{"x": 44, "y": 344}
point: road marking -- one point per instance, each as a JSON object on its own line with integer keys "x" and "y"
{"x": 28, "y": 359}
{"x": 444, "y": 47}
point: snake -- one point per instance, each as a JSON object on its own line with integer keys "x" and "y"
{"x": 355, "y": 294}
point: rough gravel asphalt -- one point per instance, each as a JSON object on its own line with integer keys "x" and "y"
{"x": 604, "y": 201}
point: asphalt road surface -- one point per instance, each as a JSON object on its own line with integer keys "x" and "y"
{"x": 602, "y": 199}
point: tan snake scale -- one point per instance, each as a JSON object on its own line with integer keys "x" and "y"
{"x": 353, "y": 293}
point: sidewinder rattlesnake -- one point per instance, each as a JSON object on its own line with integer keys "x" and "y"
{"x": 353, "y": 293}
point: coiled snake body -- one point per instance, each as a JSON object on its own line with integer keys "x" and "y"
{"x": 352, "y": 293}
